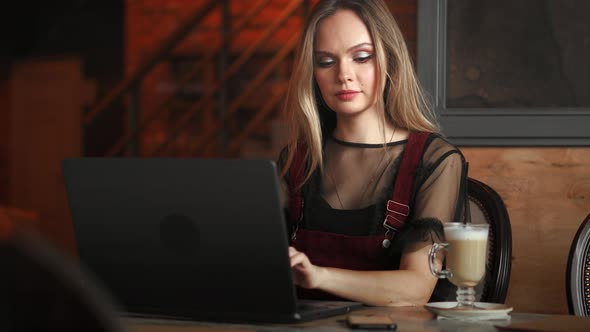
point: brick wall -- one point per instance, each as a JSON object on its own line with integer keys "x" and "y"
{"x": 150, "y": 22}
{"x": 147, "y": 24}
{"x": 404, "y": 12}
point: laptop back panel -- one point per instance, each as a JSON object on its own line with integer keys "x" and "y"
{"x": 184, "y": 237}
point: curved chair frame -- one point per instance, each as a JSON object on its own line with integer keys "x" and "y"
{"x": 500, "y": 240}
{"x": 578, "y": 272}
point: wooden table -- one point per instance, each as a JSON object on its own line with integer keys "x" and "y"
{"x": 407, "y": 318}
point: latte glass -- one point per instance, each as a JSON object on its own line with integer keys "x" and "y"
{"x": 466, "y": 247}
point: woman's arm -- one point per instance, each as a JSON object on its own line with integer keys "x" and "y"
{"x": 412, "y": 284}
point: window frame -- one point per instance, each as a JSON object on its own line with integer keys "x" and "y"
{"x": 548, "y": 126}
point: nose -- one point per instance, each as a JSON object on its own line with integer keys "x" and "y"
{"x": 344, "y": 72}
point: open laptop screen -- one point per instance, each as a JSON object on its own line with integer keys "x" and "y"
{"x": 183, "y": 236}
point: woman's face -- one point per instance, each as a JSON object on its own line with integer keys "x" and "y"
{"x": 344, "y": 63}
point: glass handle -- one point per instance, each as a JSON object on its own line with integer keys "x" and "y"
{"x": 432, "y": 261}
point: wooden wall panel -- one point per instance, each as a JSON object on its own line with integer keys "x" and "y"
{"x": 547, "y": 193}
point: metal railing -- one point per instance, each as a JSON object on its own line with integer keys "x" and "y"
{"x": 161, "y": 52}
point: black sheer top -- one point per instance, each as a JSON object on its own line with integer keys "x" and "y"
{"x": 350, "y": 195}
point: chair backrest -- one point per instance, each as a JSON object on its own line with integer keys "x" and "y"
{"x": 578, "y": 272}
{"x": 486, "y": 206}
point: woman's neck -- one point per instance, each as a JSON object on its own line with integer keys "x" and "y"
{"x": 363, "y": 128}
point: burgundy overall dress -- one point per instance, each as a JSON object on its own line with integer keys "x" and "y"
{"x": 353, "y": 252}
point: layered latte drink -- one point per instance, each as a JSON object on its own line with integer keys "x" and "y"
{"x": 466, "y": 247}
{"x": 467, "y": 253}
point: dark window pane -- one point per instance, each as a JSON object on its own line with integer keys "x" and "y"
{"x": 523, "y": 53}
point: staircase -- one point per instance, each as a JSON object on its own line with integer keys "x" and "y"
{"x": 213, "y": 87}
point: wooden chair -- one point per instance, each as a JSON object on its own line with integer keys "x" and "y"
{"x": 578, "y": 271}
{"x": 486, "y": 206}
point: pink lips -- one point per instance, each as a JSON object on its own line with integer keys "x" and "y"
{"x": 346, "y": 95}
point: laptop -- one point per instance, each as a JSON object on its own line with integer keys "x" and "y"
{"x": 202, "y": 239}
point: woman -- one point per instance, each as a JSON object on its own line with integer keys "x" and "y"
{"x": 355, "y": 105}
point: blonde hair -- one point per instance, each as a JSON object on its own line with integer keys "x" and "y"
{"x": 403, "y": 101}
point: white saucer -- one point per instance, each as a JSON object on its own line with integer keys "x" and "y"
{"x": 483, "y": 311}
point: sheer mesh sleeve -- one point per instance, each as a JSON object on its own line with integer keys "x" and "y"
{"x": 438, "y": 198}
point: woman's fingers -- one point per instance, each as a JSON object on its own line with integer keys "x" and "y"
{"x": 303, "y": 270}
{"x": 297, "y": 258}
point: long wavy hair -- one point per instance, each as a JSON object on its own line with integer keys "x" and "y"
{"x": 403, "y": 102}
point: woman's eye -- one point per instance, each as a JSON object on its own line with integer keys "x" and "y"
{"x": 325, "y": 62}
{"x": 363, "y": 57}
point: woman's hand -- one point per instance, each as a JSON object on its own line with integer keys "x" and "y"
{"x": 305, "y": 274}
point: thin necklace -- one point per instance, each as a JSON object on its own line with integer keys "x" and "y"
{"x": 336, "y": 189}
{"x": 371, "y": 180}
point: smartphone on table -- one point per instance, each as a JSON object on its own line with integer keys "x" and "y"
{"x": 371, "y": 322}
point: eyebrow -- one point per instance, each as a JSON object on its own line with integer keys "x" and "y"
{"x": 348, "y": 50}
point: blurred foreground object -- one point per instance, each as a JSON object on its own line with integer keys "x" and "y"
{"x": 44, "y": 290}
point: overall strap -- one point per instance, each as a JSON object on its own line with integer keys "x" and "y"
{"x": 398, "y": 207}
{"x": 296, "y": 172}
